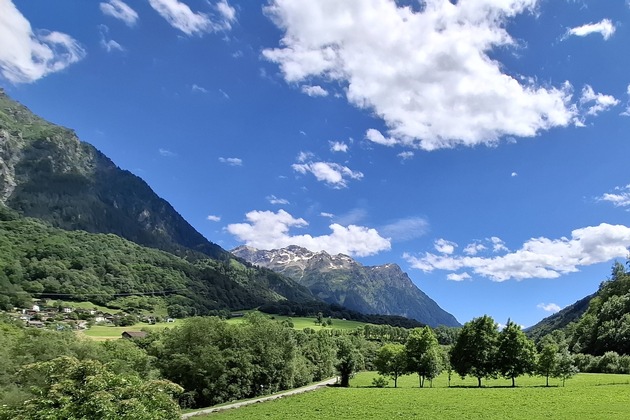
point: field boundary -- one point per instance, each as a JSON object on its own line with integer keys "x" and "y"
{"x": 239, "y": 404}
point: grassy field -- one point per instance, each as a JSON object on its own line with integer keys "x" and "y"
{"x": 586, "y": 396}
{"x": 110, "y": 332}
{"x": 299, "y": 323}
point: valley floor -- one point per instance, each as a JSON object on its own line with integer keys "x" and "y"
{"x": 586, "y": 396}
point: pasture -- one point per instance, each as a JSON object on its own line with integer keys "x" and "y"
{"x": 299, "y": 323}
{"x": 586, "y": 396}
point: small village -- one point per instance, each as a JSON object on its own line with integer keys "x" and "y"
{"x": 60, "y": 316}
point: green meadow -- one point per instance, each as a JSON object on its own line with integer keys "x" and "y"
{"x": 586, "y": 396}
{"x": 110, "y": 332}
{"x": 299, "y": 323}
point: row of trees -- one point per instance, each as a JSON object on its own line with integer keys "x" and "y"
{"x": 480, "y": 351}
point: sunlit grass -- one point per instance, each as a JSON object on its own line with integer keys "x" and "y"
{"x": 586, "y": 396}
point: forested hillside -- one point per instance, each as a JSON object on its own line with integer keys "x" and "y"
{"x": 38, "y": 260}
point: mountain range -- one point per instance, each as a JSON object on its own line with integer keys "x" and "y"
{"x": 47, "y": 173}
{"x": 338, "y": 279}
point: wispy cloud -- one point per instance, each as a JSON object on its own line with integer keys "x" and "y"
{"x": 406, "y": 155}
{"x": 232, "y": 161}
{"x": 213, "y": 218}
{"x": 275, "y": 200}
{"x": 25, "y": 56}
{"x": 119, "y": 10}
{"x": 166, "y": 153}
{"x": 604, "y": 27}
{"x": 537, "y": 258}
{"x": 200, "y": 89}
{"x": 405, "y": 229}
{"x": 620, "y": 197}
{"x": 268, "y": 230}
{"x": 181, "y": 17}
{"x": 333, "y": 174}
{"x": 593, "y": 103}
{"x": 108, "y": 45}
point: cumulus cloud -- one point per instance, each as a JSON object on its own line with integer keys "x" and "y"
{"x": 444, "y": 247}
{"x": 333, "y": 174}
{"x": 619, "y": 198}
{"x": 268, "y": 230}
{"x": 427, "y": 73}
{"x": 458, "y": 277}
{"x": 549, "y": 307}
{"x": 181, "y": 17}
{"x": 338, "y": 146}
{"x": 119, "y": 10}
{"x": 26, "y": 56}
{"x": 213, "y": 218}
{"x": 232, "y": 161}
{"x": 474, "y": 248}
{"x": 514, "y": 174}
{"x": 594, "y": 103}
{"x": 275, "y": 200}
{"x": 314, "y": 90}
{"x": 538, "y": 257}
{"x": 406, "y": 229}
{"x": 604, "y": 27}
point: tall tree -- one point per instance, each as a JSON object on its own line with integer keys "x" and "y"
{"x": 349, "y": 359}
{"x": 547, "y": 360}
{"x": 391, "y": 360}
{"x": 517, "y": 354}
{"x": 474, "y": 352}
{"x": 423, "y": 354}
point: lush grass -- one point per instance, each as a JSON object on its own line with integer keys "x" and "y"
{"x": 299, "y": 323}
{"x": 586, "y": 396}
{"x": 88, "y": 305}
{"x": 109, "y": 332}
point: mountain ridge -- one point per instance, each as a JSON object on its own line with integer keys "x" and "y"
{"x": 339, "y": 279}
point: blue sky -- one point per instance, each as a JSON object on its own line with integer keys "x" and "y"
{"x": 481, "y": 145}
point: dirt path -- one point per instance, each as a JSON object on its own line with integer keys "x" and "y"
{"x": 261, "y": 399}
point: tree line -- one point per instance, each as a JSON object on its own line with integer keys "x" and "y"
{"x": 480, "y": 351}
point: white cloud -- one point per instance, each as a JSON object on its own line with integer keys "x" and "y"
{"x": 275, "y": 200}
{"x": 327, "y": 215}
{"x": 213, "y": 218}
{"x": 406, "y": 155}
{"x": 119, "y": 10}
{"x": 444, "y": 247}
{"x": 231, "y": 161}
{"x": 604, "y": 27}
{"x": 498, "y": 245}
{"x": 428, "y": 74}
{"x": 549, "y": 307}
{"x": 474, "y": 248}
{"x": 406, "y": 229}
{"x": 26, "y": 56}
{"x": 619, "y": 198}
{"x": 514, "y": 174}
{"x": 333, "y": 174}
{"x": 304, "y": 156}
{"x": 538, "y": 257}
{"x": 197, "y": 88}
{"x": 181, "y": 17}
{"x": 268, "y": 230}
{"x": 594, "y": 103}
{"x": 166, "y": 153}
{"x": 314, "y": 91}
{"x": 108, "y": 45}
{"x": 458, "y": 277}
{"x": 224, "y": 94}
{"x": 338, "y": 146}
{"x": 378, "y": 138}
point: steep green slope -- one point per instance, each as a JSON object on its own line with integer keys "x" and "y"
{"x": 559, "y": 320}
{"x": 39, "y": 260}
{"x": 48, "y": 173}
